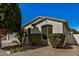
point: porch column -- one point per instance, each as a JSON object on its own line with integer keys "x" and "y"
{"x": 47, "y": 35}
{"x": 47, "y": 32}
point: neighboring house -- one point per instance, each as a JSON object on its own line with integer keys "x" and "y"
{"x": 47, "y": 25}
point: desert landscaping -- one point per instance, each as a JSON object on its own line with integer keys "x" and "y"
{"x": 41, "y": 35}
{"x": 44, "y": 51}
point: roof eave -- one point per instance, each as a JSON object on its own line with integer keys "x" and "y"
{"x": 46, "y": 18}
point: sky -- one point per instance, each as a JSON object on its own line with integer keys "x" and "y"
{"x": 66, "y": 11}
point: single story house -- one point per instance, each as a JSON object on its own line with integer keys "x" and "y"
{"x": 47, "y": 25}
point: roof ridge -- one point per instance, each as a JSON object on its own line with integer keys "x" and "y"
{"x": 43, "y": 17}
{"x": 52, "y": 18}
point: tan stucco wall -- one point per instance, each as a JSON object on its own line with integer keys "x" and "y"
{"x": 57, "y": 26}
{"x": 29, "y": 26}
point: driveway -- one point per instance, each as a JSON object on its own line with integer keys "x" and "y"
{"x": 46, "y": 51}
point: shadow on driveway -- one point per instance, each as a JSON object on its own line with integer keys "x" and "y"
{"x": 8, "y": 48}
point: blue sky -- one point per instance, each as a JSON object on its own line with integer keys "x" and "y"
{"x": 69, "y": 12}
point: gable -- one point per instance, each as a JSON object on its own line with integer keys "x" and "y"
{"x": 47, "y": 20}
{"x": 41, "y": 18}
{"x": 38, "y": 20}
{"x": 34, "y": 20}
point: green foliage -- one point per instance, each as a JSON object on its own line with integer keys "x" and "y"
{"x": 56, "y": 39}
{"x": 68, "y": 27}
{"x": 17, "y": 49}
{"x": 74, "y": 31}
{"x": 13, "y": 50}
{"x": 35, "y": 38}
{"x": 10, "y": 17}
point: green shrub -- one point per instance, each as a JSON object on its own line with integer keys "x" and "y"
{"x": 17, "y": 49}
{"x": 35, "y": 38}
{"x": 56, "y": 39}
{"x": 14, "y": 50}
{"x": 21, "y": 49}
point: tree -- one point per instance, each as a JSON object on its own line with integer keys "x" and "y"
{"x": 74, "y": 31}
{"x": 10, "y": 18}
{"x": 21, "y": 34}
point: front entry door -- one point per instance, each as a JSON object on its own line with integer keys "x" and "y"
{"x": 46, "y": 30}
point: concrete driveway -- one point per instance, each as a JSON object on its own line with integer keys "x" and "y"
{"x": 46, "y": 51}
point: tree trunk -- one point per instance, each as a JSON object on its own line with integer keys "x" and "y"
{"x": 0, "y": 43}
{"x": 7, "y": 36}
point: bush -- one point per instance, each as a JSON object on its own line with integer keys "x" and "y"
{"x": 35, "y": 38}
{"x": 56, "y": 39}
{"x": 13, "y": 50}
{"x": 18, "y": 49}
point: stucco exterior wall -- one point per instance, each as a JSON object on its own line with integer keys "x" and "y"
{"x": 76, "y": 36}
{"x": 29, "y": 26}
{"x": 57, "y": 26}
{"x": 36, "y": 31}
